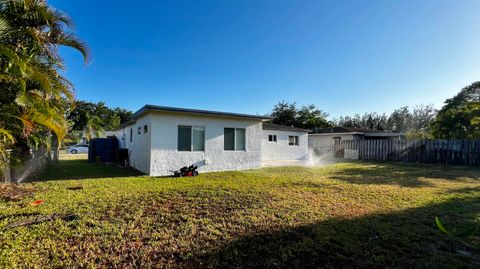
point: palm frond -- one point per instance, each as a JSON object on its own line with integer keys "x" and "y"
{"x": 55, "y": 124}
{"x": 70, "y": 40}
{"x": 62, "y": 17}
{"x": 94, "y": 126}
{"x": 16, "y": 65}
{"x": 6, "y": 136}
{"x": 4, "y": 27}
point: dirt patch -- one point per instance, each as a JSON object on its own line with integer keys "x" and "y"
{"x": 212, "y": 205}
{"x": 75, "y": 188}
{"x": 15, "y": 192}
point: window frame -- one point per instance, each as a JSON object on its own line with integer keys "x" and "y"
{"x": 139, "y": 130}
{"x": 235, "y": 139}
{"x": 296, "y": 140}
{"x": 274, "y": 138}
{"x": 191, "y": 137}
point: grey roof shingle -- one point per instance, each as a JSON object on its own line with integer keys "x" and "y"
{"x": 278, "y": 127}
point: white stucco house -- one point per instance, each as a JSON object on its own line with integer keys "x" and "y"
{"x": 161, "y": 139}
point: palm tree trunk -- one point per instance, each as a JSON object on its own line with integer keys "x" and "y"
{"x": 49, "y": 150}
{"x": 55, "y": 145}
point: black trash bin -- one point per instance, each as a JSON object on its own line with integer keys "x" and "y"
{"x": 103, "y": 148}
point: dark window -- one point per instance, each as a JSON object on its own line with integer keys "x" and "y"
{"x": 234, "y": 139}
{"x": 229, "y": 139}
{"x": 191, "y": 138}
{"x": 293, "y": 140}
{"x": 131, "y": 135}
{"x": 184, "y": 138}
{"x": 145, "y": 129}
{"x": 139, "y": 130}
{"x": 272, "y": 138}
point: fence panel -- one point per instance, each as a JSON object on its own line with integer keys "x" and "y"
{"x": 454, "y": 152}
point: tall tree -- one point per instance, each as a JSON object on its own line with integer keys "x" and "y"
{"x": 308, "y": 116}
{"x": 422, "y": 118}
{"x": 459, "y": 117}
{"x": 400, "y": 120}
{"x": 284, "y": 113}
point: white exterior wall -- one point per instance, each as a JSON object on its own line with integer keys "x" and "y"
{"x": 280, "y": 150}
{"x": 164, "y": 142}
{"x": 319, "y": 141}
{"x": 139, "y": 148}
{"x": 323, "y": 144}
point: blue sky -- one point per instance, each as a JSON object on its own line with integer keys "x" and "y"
{"x": 345, "y": 57}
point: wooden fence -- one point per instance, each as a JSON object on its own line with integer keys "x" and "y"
{"x": 455, "y": 152}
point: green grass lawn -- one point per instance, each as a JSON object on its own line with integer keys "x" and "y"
{"x": 343, "y": 215}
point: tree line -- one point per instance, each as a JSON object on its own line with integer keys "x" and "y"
{"x": 459, "y": 118}
{"x": 92, "y": 119}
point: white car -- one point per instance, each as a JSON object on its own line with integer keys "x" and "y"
{"x": 79, "y": 148}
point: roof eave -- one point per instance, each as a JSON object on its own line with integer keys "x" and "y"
{"x": 384, "y": 134}
{"x": 148, "y": 108}
{"x": 343, "y": 133}
{"x": 298, "y": 131}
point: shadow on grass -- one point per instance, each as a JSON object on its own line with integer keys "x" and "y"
{"x": 395, "y": 240}
{"x": 406, "y": 175}
{"x": 81, "y": 169}
{"x": 17, "y": 215}
{"x": 468, "y": 191}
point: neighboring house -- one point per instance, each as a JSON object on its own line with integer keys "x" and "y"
{"x": 161, "y": 139}
{"x": 325, "y": 140}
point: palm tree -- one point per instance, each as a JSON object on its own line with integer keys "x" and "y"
{"x": 34, "y": 96}
{"x": 33, "y": 61}
{"x": 6, "y": 136}
{"x": 94, "y": 126}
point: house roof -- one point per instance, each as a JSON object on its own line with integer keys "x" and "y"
{"x": 278, "y": 127}
{"x": 344, "y": 130}
{"x": 366, "y": 132}
{"x": 147, "y": 108}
